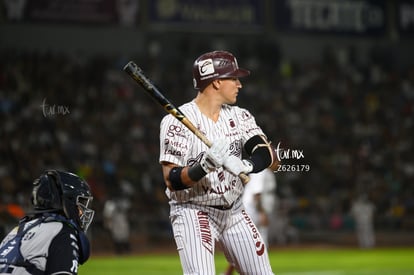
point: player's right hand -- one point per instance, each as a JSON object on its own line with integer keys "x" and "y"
{"x": 215, "y": 155}
{"x": 236, "y": 166}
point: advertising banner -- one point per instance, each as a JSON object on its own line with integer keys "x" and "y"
{"x": 207, "y": 13}
{"x": 358, "y": 17}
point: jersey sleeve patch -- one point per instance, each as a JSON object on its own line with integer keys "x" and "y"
{"x": 174, "y": 141}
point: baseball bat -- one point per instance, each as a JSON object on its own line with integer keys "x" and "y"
{"x": 139, "y": 76}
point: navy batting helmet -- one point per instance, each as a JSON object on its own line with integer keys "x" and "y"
{"x": 59, "y": 191}
{"x": 215, "y": 65}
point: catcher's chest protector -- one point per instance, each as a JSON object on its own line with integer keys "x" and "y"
{"x": 10, "y": 252}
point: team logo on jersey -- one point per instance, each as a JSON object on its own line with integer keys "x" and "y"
{"x": 246, "y": 115}
{"x": 235, "y": 148}
{"x": 232, "y": 124}
{"x": 74, "y": 267}
{"x": 28, "y": 236}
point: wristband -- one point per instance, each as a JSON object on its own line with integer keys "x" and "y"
{"x": 175, "y": 178}
{"x": 196, "y": 172}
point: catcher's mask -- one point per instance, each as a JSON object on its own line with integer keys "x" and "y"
{"x": 64, "y": 192}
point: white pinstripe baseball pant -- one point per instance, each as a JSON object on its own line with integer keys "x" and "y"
{"x": 197, "y": 228}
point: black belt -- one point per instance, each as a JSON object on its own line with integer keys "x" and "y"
{"x": 221, "y": 207}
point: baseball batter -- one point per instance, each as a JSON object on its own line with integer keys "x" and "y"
{"x": 202, "y": 183}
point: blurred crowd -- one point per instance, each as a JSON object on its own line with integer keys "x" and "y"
{"x": 352, "y": 121}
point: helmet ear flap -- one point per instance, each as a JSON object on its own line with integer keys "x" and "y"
{"x": 46, "y": 194}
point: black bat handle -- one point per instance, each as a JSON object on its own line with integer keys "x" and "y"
{"x": 139, "y": 76}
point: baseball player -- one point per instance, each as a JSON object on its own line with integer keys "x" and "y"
{"x": 52, "y": 240}
{"x": 203, "y": 183}
{"x": 363, "y": 211}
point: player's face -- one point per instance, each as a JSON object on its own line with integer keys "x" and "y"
{"x": 230, "y": 89}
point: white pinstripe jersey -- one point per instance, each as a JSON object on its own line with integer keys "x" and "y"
{"x": 180, "y": 146}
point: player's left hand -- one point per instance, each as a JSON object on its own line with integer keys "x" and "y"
{"x": 215, "y": 155}
{"x": 236, "y": 165}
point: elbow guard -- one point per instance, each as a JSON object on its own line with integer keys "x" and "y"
{"x": 261, "y": 153}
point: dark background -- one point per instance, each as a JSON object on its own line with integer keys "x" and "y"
{"x": 334, "y": 79}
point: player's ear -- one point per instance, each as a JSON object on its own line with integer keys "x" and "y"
{"x": 216, "y": 84}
